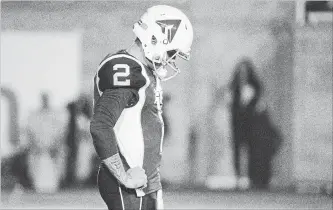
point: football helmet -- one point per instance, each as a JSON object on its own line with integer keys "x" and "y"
{"x": 165, "y": 33}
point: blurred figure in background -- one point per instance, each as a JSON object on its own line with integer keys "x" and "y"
{"x": 252, "y": 127}
{"x": 14, "y": 164}
{"x": 87, "y": 159}
{"x": 45, "y": 130}
{"x": 246, "y": 91}
{"x": 81, "y": 156}
{"x": 221, "y": 171}
{"x": 71, "y": 145}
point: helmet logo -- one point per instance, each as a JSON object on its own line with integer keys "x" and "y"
{"x": 169, "y": 27}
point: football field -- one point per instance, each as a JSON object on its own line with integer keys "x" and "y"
{"x": 89, "y": 199}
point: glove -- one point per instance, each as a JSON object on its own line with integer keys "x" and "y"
{"x": 136, "y": 178}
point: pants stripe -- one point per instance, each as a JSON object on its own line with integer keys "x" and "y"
{"x": 140, "y": 203}
{"x": 121, "y": 197}
{"x": 159, "y": 200}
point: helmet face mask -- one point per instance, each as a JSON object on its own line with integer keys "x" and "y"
{"x": 165, "y": 66}
{"x": 165, "y": 33}
{"x": 168, "y": 65}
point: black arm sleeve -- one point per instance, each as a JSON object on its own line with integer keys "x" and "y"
{"x": 107, "y": 110}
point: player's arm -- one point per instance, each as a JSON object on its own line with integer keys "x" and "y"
{"x": 107, "y": 111}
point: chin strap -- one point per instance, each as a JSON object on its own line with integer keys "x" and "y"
{"x": 169, "y": 63}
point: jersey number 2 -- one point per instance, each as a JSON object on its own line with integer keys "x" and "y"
{"x": 119, "y": 75}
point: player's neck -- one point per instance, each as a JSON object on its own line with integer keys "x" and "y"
{"x": 137, "y": 51}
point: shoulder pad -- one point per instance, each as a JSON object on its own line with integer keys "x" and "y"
{"x": 120, "y": 70}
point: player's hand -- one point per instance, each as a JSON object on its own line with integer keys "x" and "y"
{"x": 136, "y": 178}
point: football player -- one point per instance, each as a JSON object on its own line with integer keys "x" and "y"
{"x": 127, "y": 126}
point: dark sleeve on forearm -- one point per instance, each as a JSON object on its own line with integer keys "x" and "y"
{"x": 107, "y": 110}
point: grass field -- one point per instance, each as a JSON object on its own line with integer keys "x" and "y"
{"x": 89, "y": 199}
